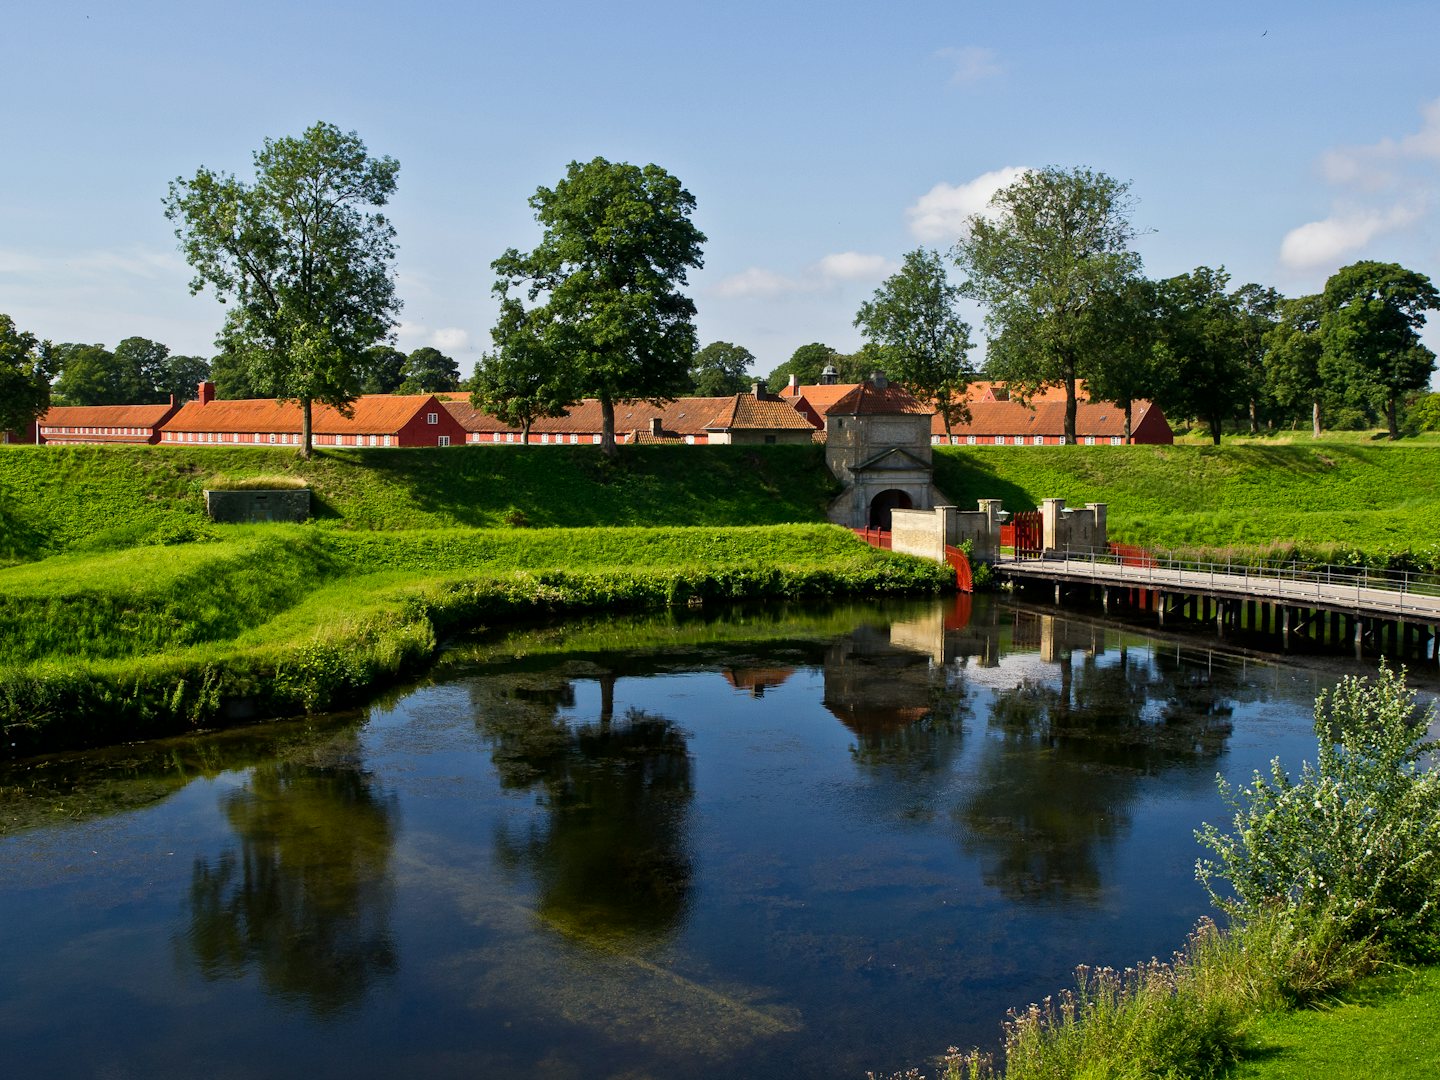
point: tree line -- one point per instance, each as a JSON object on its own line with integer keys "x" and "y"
{"x": 303, "y": 259}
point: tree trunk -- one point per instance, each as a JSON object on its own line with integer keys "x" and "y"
{"x": 1070, "y": 408}
{"x": 1254, "y": 421}
{"x": 525, "y": 432}
{"x": 1215, "y": 425}
{"x": 1126, "y": 407}
{"x": 305, "y": 428}
{"x": 1315, "y": 418}
{"x": 607, "y": 427}
{"x": 1390, "y": 417}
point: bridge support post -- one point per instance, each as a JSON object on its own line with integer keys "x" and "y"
{"x": 1058, "y": 593}
{"x": 1359, "y": 636}
{"x": 1285, "y": 628}
{"x": 1105, "y": 599}
{"x": 1160, "y": 607}
{"x": 1220, "y": 614}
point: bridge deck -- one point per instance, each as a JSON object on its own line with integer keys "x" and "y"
{"x": 1358, "y": 597}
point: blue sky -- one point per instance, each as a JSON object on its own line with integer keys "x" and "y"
{"x": 821, "y": 141}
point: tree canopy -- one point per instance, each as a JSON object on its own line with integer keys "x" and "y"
{"x": 303, "y": 259}
{"x": 1201, "y": 341}
{"x": 429, "y": 371}
{"x": 524, "y": 378}
{"x": 925, "y": 343}
{"x": 1058, "y": 241}
{"x": 720, "y": 369}
{"x": 617, "y": 245}
{"x": 1370, "y": 320}
{"x": 25, "y": 369}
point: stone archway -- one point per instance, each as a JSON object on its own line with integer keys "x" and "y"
{"x": 882, "y": 504}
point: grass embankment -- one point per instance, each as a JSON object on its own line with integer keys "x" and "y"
{"x": 272, "y": 621}
{"x": 1327, "y": 500}
{"x": 100, "y": 498}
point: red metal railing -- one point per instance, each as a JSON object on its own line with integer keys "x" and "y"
{"x": 964, "y": 582}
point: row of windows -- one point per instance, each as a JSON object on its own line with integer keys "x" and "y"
{"x": 283, "y": 438}
{"x": 1021, "y": 440}
{"x": 94, "y": 431}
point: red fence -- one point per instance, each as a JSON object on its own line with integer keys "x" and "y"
{"x": 964, "y": 582}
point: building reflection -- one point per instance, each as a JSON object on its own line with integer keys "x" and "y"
{"x": 1077, "y": 726}
{"x": 609, "y": 853}
{"x": 304, "y": 901}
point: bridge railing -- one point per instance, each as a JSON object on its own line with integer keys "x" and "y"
{"x": 1327, "y": 580}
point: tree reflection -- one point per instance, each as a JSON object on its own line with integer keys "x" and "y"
{"x": 610, "y": 856}
{"x": 1056, "y": 788}
{"x": 306, "y": 899}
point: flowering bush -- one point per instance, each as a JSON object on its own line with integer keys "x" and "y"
{"x": 1355, "y": 838}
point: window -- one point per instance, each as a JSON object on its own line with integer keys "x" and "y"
{"x": 595, "y": 439}
{"x": 272, "y": 437}
{"x": 432, "y": 418}
{"x": 1116, "y": 440}
{"x": 1039, "y": 440}
{"x": 387, "y": 440}
{"x": 443, "y": 440}
{"x": 574, "y": 439}
{"x": 969, "y": 440}
{"x": 1089, "y": 440}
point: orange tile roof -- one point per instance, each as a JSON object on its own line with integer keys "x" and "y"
{"x": 867, "y": 400}
{"x": 374, "y": 414}
{"x": 747, "y": 413}
{"x": 471, "y": 418}
{"x": 820, "y": 396}
{"x": 990, "y": 418}
{"x": 105, "y": 415}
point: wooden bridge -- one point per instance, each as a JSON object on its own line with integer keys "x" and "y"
{"x": 1391, "y": 612}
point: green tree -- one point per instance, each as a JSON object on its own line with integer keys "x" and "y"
{"x": 140, "y": 367}
{"x": 1294, "y": 373}
{"x": 382, "y": 370}
{"x": 235, "y": 380}
{"x": 303, "y": 258}
{"x": 527, "y": 376}
{"x": 617, "y": 244}
{"x": 181, "y": 376}
{"x": 1258, "y": 309}
{"x": 87, "y": 375}
{"x": 720, "y": 369}
{"x": 1425, "y": 413}
{"x": 429, "y": 371}
{"x": 806, "y": 363}
{"x": 1060, "y": 240}
{"x": 1121, "y": 326}
{"x": 1201, "y": 332}
{"x": 1372, "y": 312}
{"x": 913, "y": 317}
{"x": 25, "y": 369}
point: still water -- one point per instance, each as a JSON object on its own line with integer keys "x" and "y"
{"x": 764, "y": 842}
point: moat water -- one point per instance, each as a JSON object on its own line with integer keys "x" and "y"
{"x": 771, "y": 842}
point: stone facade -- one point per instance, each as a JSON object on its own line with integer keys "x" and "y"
{"x": 246, "y": 507}
{"x": 877, "y": 443}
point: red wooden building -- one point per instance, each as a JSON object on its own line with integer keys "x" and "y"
{"x": 138, "y": 424}
{"x": 374, "y": 420}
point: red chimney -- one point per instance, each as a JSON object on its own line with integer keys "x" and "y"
{"x": 207, "y": 393}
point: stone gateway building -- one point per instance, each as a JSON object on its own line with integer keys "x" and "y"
{"x": 877, "y": 443}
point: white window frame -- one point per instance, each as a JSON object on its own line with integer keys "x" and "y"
{"x": 432, "y": 418}
{"x": 969, "y": 440}
{"x": 442, "y": 440}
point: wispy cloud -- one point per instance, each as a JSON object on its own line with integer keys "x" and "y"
{"x": 827, "y": 272}
{"x": 1383, "y": 187}
{"x": 943, "y": 213}
{"x": 970, "y": 63}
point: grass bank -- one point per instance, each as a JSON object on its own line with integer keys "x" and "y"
{"x": 95, "y": 498}
{"x": 1329, "y": 500}
{"x": 273, "y": 621}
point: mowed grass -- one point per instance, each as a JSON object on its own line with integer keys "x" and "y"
{"x": 1385, "y": 1030}
{"x": 97, "y": 498}
{"x": 1321, "y": 496}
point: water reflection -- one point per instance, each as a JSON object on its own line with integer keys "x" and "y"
{"x": 305, "y": 900}
{"x": 609, "y": 857}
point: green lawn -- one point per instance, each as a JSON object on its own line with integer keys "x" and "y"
{"x": 1386, "y": 1031}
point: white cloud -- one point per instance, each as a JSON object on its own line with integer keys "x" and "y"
{"x": 94, "y": 265}
{"x": 970, "y": 63}
{"x": 853, "y": 266}
{"x": 1387, "y": 187}
{"x": 826, "y": 273}
{"x": 1327, "y": 242}
{"x": 450, "y": 339}
{"x": 944, "y": 212}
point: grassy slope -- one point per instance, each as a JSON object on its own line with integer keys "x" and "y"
{"x": 1386, "y": 1032}
{"x": 1376, "y": 498}
{"x": 58, "y": 498}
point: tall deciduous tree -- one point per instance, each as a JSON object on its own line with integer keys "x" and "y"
{"x": 1371, "y": 318}
{"x": 527, "y": 376}
{"x": 303, "y": 258}
{"x": 1201, "y": 340}
{"x": 1058, "y": 240}
{"x": 429, "y": 371}
{"x": 1122, "y": 327}
{"x": 1258, "y": 309}
{"x": 617, "y": 245}
{"x": 1294, "y": 374}
{"x": 720, "y": 368}
{"x": 234, "y": 379}
{"x": 382, "y": 370}
{"x": 914, "y": 318}
{"x": 25, "y": 369}
{"x": 87, "y": 375}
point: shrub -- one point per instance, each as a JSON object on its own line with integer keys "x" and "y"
{"x": 1354, "y": 839}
